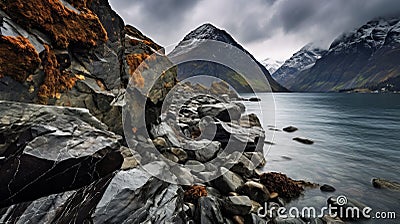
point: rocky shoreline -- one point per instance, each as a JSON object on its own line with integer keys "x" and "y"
{"x": 66, "y": 156}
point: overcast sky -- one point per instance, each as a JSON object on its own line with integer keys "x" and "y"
{"x": 267, "y": 28}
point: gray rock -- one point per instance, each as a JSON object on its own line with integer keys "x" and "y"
{"x": 255, "y": 191}
{"x": 160, "y": 143}
{"x": 171, "y": 157}
{"x": 257, "y": 158}
{"x": 195, "y": 165}
{"x": 233, "y": 137}
{"x": 180, "y": 153}
{"x": 237, "y": 205}
{"x": 204, "y": 150}
{"x": 53, "y": 149}
{"x": 134, "y": 196}
{"x": 227, "y": 182}
{"x": 223, "y": 111}
{"x": 244, "y": 167}
{"x": 209, "y": 211}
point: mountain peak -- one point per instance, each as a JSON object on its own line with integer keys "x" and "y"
{"x": 208, "y": 31}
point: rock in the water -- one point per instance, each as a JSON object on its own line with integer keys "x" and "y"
{"x": 228, "y": 181}
{"x": 254, "y": 99}
{"x": 49, "y": 150}
{"x": 304, "y": 140}
{"x": 290, "y": 129}
{"x": 381, "y": 183}
{"x": 327, "y": 188}
{"x": 237, "y": 205}
{"x": 255, "y": 191}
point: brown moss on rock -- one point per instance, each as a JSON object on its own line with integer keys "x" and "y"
{"x": 18, "y": 58}
{"x": 283, "y": 185}
{"x": 138, "y": 37}
{"x": 62, "y": 24}
{"x": 194, "y": 192}
{"x": 134, "y": 61}
{"x": 80, "y": 3}
{"x": 55, "y": 80}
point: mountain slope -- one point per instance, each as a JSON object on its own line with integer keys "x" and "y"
{"x": 301, "y": 60}
{"x": 190, "y": 69}
{"x": 362, "y": 58}
{"x": 272, "y": 65}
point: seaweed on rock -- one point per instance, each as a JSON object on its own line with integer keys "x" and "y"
{"x": 283, "y": 185}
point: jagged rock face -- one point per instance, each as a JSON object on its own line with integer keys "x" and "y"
{"x": 64, "y": 155}
{"x": 48, "y": 150}
{"x": 362, "y": 58}
{"x": 60, "y": 21}
{"x": 301, "y": 60}
{"x": 87, "y": 65}
{"x": 190, "y": 69}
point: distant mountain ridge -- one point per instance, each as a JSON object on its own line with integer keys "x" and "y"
{"x": 210, "y": 32}
{"x": 271, "y": 64}
{"x": 301, "y": 60}
{"x": 362, "y": 58}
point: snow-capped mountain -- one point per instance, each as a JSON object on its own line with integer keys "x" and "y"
{"x": 271, "y": 64}
{"x": 301, "y": 60}
{"x": 362, "y": 58}
{"x": 210, "y": 32}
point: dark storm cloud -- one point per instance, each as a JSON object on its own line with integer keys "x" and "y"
{"x": 256, "y": 21}
{"x": 158, "y": 17}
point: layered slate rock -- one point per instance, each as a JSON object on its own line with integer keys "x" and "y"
{"x": 48, "y": 150}
{"x": 85, "y": 63}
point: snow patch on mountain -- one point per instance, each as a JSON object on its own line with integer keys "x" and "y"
{"x": 271, "y": 64}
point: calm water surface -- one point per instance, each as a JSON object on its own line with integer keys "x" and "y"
{"x": 357, "y": 138}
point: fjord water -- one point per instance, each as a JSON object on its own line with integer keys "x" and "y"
{"x": 356, "y": 138}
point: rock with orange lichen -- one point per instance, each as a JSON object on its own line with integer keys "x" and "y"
{"x": 88, "y": 60}
{"x": 80, "y": 3}
{"x": 283, "y": 185}
{"x": 62, "y": 24}
{"x": 18, "y": 58}
{"x": 138, "y": 37}
{"x": 55, "y": 81}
